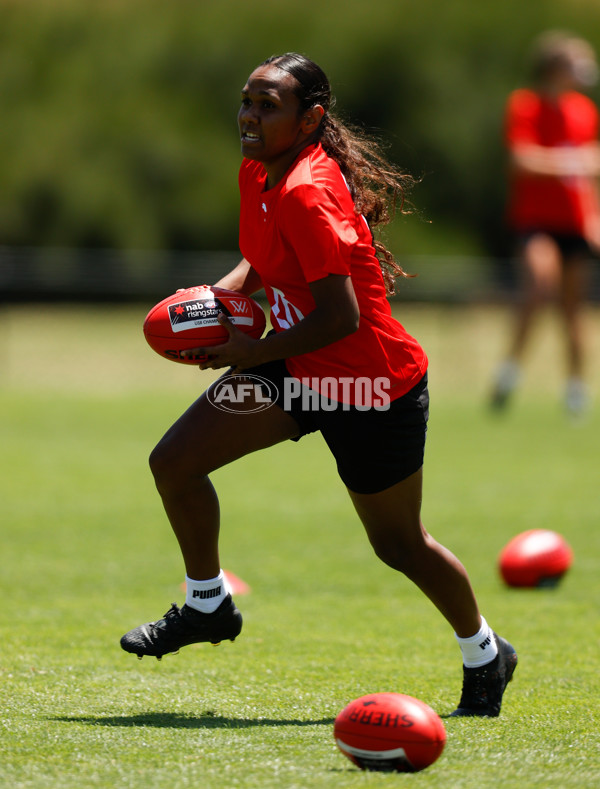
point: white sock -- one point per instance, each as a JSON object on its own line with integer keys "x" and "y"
{"x": 507, "y": 376}
{"x": 479, "y": 649}
{"x": 206, "y": 596}
{"x": 576, "y": 396}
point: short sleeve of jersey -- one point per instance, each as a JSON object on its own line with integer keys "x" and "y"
{"x": 315, "y": 223}
{"x": 520, "y": 118}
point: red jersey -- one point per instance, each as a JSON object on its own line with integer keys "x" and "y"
{"x": 303, "y": 229}
{"x": 544, "y": 203}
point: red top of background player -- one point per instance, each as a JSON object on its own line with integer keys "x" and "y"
{"x": 308, "y": 191}
{"x": 552, "y": 138}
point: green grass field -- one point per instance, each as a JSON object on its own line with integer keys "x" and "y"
{"x": 87, "y": 554}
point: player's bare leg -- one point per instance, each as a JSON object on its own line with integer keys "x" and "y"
{"x": 205, "y": 438}
{"x": 202, "y": 440}
{"x": 393, "y": 524}
{"x": 392, "y": 521}
{"x": 573, "y": 289}
{"x": 540, "y": 269}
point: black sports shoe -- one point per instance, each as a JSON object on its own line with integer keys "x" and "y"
{"x": 484, "y": 687}
{"x": 182, "y": 626}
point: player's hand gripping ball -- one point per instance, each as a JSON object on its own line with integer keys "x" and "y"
{"x": 189, "y": 319}
{"x": 389, "y": 732}
{"x": 538, "y": 557}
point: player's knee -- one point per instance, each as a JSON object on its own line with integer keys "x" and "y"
{"x": 397, "y": 556}
{"x": 159, "y": 464}
{"x": 169, "y": 466}
{"x": 401, "y": 554}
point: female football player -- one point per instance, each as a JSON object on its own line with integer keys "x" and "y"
{"x": 554, "y": 207}
{"x": 311, "y": 190}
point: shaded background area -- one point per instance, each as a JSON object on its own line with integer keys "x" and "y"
{"x": 119, "y": 145}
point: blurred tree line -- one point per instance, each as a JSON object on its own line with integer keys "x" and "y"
{"x": 118, "y": 117}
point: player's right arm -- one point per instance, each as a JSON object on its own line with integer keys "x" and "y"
{"x": 243, "y": 279}
{"x": 335, "y": 315}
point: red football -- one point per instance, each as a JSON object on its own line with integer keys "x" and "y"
{"x": 188, "y": 319}
{"x": 538, "y": 557}
{"x": 389, "y": 732}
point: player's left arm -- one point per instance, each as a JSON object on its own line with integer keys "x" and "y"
{"x": 335, "y": 316}
{"x": 243, "y": 279}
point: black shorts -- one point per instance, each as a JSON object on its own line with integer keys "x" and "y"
{"x": 375, "y": 448}
{"x": 571, "y": 245}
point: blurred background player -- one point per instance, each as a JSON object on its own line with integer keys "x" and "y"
{"x": 553, "y": 208}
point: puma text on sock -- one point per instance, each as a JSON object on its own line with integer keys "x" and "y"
{"x": 479, "y": 649}
{"x": 206, "y": 596}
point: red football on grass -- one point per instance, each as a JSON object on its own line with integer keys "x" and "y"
{"x": 389, "y": 732}
{"x": 188, "y": 319}
{"x": 538, "y": 557}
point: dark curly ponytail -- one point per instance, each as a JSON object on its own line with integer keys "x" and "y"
{"x": 377, "y": 187}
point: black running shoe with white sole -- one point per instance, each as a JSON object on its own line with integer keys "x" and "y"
{"x": 484, "y": 687}
{"x": 182, "y": 626}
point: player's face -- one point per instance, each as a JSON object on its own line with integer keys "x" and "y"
{"x": 272, "y": 129}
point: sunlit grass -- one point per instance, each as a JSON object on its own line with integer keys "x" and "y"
{"x": 87, "y": 554}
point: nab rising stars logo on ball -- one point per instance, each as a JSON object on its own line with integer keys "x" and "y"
{"x": 199, "y": 312}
